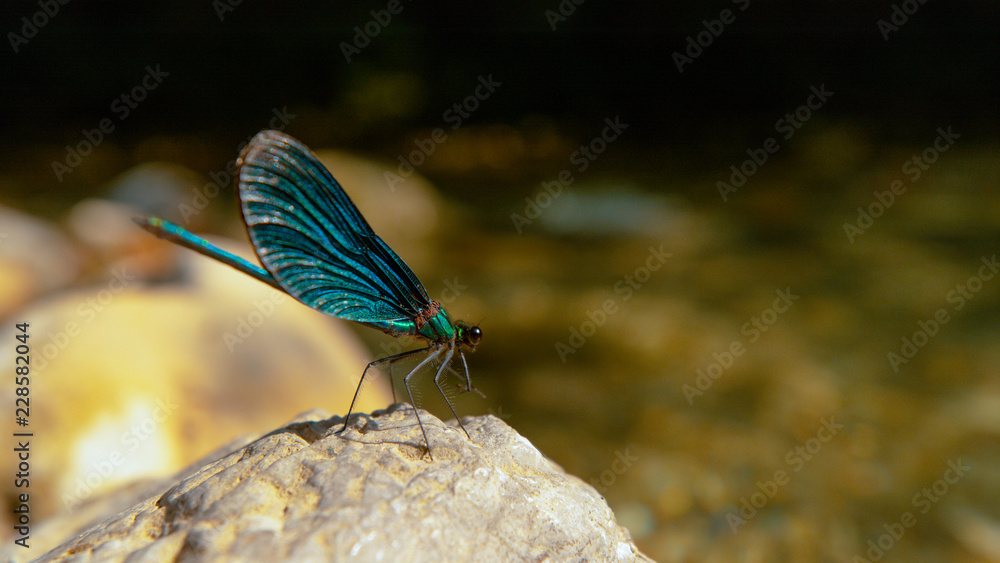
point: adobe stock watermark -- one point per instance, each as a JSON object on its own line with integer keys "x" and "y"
{"x": 929, "y": 328}
{"x": 753, "y": 329}
{"x": 363, "y": 35}
{"x": 30, "y": 26}
{"x": 922, "y": 502}
{"x": 86, "y": 312}
{"x": 121, "y": 107}
{"x": 454, "y": 115}
{"x": 620, "y": 466}
{"x": 248, "y": 324}
{"x": 582, "y": 158}
{"x": 223, "y": 178}
{"x": 786, "y": 126}
{"x": 131, "y": 439}
{"x": 223, "y": 7}
{"x": 900, "y": 15}
{"x": 913, "y": 169}
{"x": 563, "y": 11}
{"x": 696, "y": 44}
{"x": 624, "y": 289}
{"x": 795, "y": 460}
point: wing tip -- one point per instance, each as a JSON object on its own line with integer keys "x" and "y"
{"x": 266, "y": 141}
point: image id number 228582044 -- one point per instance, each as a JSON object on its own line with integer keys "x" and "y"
{"x": 22, "y": 410}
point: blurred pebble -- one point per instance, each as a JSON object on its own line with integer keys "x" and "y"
{"x": 711, "y": 491}
{"x": 105, "y": 226}
{"x": 674, "y": 501}
{"x": 635, "y": 516}
{"x": 161, "y": 189}
{"x": 35, "y": 257}
{"x": 611, "y": 210}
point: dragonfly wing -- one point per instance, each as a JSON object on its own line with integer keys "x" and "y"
{"x": 315, "y": 242}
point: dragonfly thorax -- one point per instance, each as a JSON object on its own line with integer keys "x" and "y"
{"x": 434, "y": 324}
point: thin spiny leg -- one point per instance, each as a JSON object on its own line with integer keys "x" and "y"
{"x": 437, "y": 382}
{"x": 406, "y": 383}
{"x": 468, "y": 380}
{"x": 392, "y": 386}
{"x": 391, "y": 360}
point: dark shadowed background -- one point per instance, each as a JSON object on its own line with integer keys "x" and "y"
{"x": 733, "y": 260}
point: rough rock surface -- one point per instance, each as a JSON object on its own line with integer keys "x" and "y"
{"x": 304, "y": 493}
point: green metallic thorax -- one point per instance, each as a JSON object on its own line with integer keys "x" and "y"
{"x": 438, "y": 328}
{"x": 433, "y": 325}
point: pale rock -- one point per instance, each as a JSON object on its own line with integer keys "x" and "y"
{"x": 304, "y": 493}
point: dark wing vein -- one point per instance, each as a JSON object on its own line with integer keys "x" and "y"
{"x": 315, "y": 242}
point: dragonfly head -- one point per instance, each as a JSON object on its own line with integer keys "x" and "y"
{"x": 469, "y": 335}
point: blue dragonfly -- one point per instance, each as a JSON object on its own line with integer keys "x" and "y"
{"x": 316, "y": 246}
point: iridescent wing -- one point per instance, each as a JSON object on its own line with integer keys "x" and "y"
{"x": 312, "y": 239}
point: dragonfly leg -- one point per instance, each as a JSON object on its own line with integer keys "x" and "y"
{"x": 392, "y": 385}
{"x": 468, "y": 386}
{"x": 437, "y": 381}
{"x": 468, "y": 380}
{"x": 406, "y": 383}
{"x": 391, "y": 360}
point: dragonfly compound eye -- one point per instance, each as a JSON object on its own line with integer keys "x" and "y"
{"x": 473, "y": 335}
